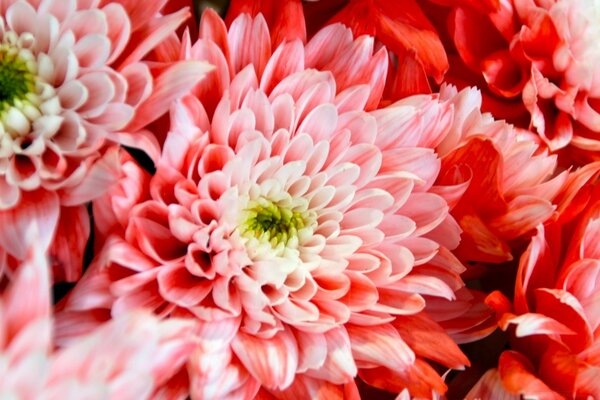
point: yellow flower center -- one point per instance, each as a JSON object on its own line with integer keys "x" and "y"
{"x": 272, "y": 222}
{"x": 16, "y": 77}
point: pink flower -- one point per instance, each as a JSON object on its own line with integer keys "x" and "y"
{"x": 127, "y": 358}
{"x": 544, "y": 52}
{"x": 554, "y": 321}
{"x": 72, "y": 81}
{"x": 300, "y": 231}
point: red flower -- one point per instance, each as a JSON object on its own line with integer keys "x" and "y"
{"x": 554, "y": 321}
{"x": 538, "y": 58}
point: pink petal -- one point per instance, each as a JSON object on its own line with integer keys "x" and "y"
{"x": 339, "y": 366}
{"x": 101, "y": 176}
{"x": 524, "y": 214}
{"x": 362, "y": 294}
{"x": 286, "y": 60}
{"x": 312, "y": 350}
{"x": 250, "y": 43}
{"x": 28, "y": 297}
{"x": 178, "y": 286}
{"x": 156, "y": 30}
{"x": 40, "y": 208}
{"x": 102, "y": 87}
{"x": 535, "y": 324}
{"x": 139, "y": 83}
{"x": 148, "y": 226}
{"x": 217, "y": 375}
{"x": 171, "y": 84}
{"x": 142, "y": 140}
{"x": 325, "y": 45}
{"x": 305, "y": 387}
{"x": 272, "y": 362}
{"x": 119, "y": 29}
{"x": 380, "y": 346}
{"x": 92, "y": 51}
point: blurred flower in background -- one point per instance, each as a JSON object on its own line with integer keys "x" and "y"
{"x": 73, "y": 85}
{"x": 126, "y": 358}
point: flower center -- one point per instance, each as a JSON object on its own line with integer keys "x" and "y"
{"x": 24, "y": 95}
{"x": 16, "y": 77}
{"x": 272, "y": 222}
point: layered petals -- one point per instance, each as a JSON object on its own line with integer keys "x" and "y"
{"x": 286, "y": 213}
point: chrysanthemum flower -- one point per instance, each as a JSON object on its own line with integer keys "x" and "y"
{"x": 544, "y": 52}
{"x": 127, "y": 358}
{"x": 71, "y": 83}
{"x": 503, "y": 184}
{"x": 299, "y": 231}
{"x": 554, "y": 322}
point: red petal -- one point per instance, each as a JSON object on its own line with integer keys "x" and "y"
{"x": 540, "y": 38}
{"x": 400, "y": 29}
{"x": 427, "y": 339}
{"x": 68, "y": 248}
{"x": 420, "y": 379}
{"x": 518, "y": 376}
{"x": 482, "y": 198}
{"x": 284, "y": 18}
{"x": 566, "y": 309}
{"x": 407, "y": 79}
{"x": 523, "y": 215}
{"x": 474, "y": 36}
{"x": 502, "y": 73}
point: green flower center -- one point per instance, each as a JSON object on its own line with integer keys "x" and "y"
{"x": 268, "y": 221}
{"x": 16, "y": 79}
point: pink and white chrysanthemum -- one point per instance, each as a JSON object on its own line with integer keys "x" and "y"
{"x": 127, "y": 358}
{"x": 299, "y": 230}
{"x": 72, "y": 81}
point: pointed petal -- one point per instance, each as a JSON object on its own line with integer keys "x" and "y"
{"x": 40, "y": 208}
{"x": 168, "y": 86}
{"x": 68, "y": 247}
{"x": 272, "y": 362}
{"x": 380, "y": 345}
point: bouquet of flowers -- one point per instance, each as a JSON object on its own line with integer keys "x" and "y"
{"x": 334, "y": 199}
